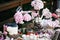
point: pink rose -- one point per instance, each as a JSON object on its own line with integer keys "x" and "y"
{"x": 18, "y": 17}
{"x": 27, "y": 17}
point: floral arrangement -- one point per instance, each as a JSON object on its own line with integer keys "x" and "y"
{"x": 47, "y": 14}
{"x": 50, "y": 21}
{"x": 24, "y": 16}
{"x": 20, "y": 17}
{"x": 37, "y": 5}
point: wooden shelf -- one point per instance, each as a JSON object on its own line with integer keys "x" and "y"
{"x": 12, "y": 4}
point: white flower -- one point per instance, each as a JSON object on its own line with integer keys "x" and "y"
{"x": 46, "y": 13}
{"x": 44, "y": 23}
{"x": 58, "y": 10}
{"x": 46, "y": 10}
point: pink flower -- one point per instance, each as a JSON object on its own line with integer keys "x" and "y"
{"x": 37, "y": 4}
{"x": 27, "y": 17}
{"x": 18, "y": 17}
{"x": 36, "y": 7}
{"x": 5, "y": 33}
{"x": 1, "y": 38}
{"x": 54, "y": 15}
{"x": 40, "y": 4}
{"x": 34, "y": 14}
